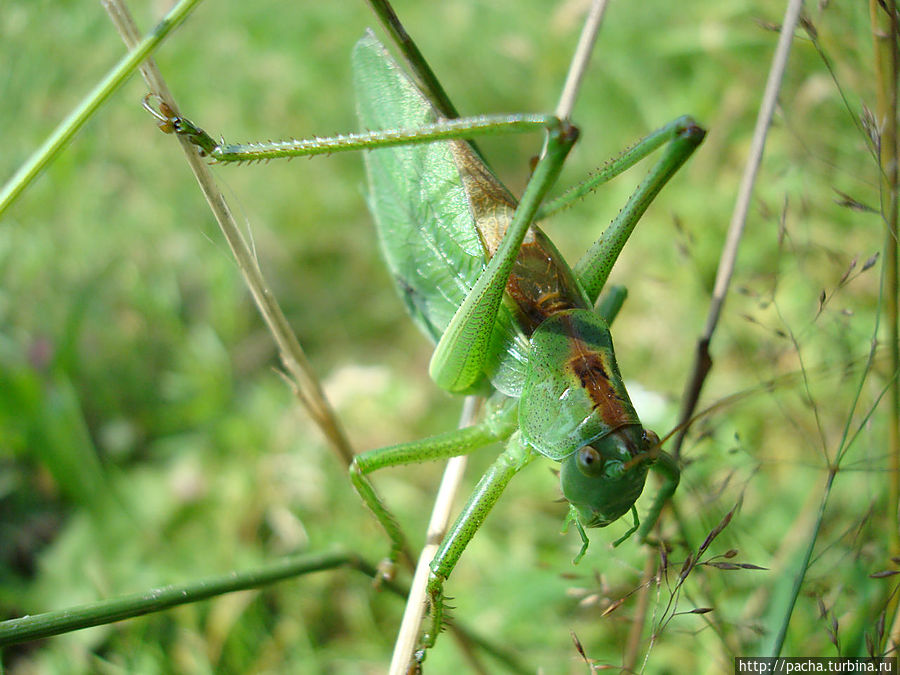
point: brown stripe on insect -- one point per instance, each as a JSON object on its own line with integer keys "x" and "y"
{"x": 596, "y": 374}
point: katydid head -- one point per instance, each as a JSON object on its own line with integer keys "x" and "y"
{"x": 574, "y": 409}
{"x": 603, "y": 480}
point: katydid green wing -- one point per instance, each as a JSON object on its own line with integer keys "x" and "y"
{"x": 423, "y": 211}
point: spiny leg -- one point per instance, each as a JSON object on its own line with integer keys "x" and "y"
{"x": 619, "y": 164}
{"x": 442, "y": 446}
{"x": 515, "y": 456}
{"x": 459, "y": 357}
{"x": 465, "y": 127}
{"x": 667, "y": 467}
{"x": 684, "y": 136}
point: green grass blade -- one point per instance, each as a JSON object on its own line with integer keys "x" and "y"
{"x": 76, "y": 119}
{"x": 116, "y": 609}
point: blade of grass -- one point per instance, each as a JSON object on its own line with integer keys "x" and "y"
{"x": 47, "y": 624}
{"x": 885, "y": 34}
{"x": 847, "y": 439}
{"x": 89, "y": 105}
{"x": 846, "y": 442}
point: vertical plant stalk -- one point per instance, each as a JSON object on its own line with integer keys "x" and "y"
{"x": 636, "y": 630}
{"x": 581, "y": 59}
{"x": 408, "y": 635}
{"x": 703, "y": 360}
{"x": 300, "y": 373}
{"x": 883, "y": 16}
{"x": 414, "y": 613}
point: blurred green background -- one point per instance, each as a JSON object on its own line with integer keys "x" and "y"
{"x": 146, "y": 437}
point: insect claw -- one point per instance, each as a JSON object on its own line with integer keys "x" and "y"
{"x": 385, "y": 572}
{"x": 165, "y": 117}
{"x": 419, "y": 659}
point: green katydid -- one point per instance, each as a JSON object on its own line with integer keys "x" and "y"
{"x": 510, "y": 318}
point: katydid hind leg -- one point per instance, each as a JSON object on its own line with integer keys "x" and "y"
{"x": 684, "y": 136}
{"x": 459, "y": 357}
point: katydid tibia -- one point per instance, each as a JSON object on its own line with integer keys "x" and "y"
{"x": 510, "y": 318}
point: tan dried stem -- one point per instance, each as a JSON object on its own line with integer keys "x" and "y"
{"x": 300, "y": 373}
{"x": 581, "y": 59}
{"x": 703, "y": 360}
{"x": 410, "y": 625}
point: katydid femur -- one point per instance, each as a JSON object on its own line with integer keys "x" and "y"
{"x": 510, "y": 318}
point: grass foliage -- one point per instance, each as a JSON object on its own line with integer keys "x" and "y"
{"x": 146, "y": 437}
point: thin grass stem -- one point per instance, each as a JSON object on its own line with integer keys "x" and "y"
{"x": 44, "y": 625}
{"x": 703, "y": 361}
{"x": 413, "y": 615}
{"x": 54, "y": 143}
{"x": 885, "y": 34}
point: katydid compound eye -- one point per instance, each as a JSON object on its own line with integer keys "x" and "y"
{"x": 590, "y": 462}
{"x": 651, "y": 440}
